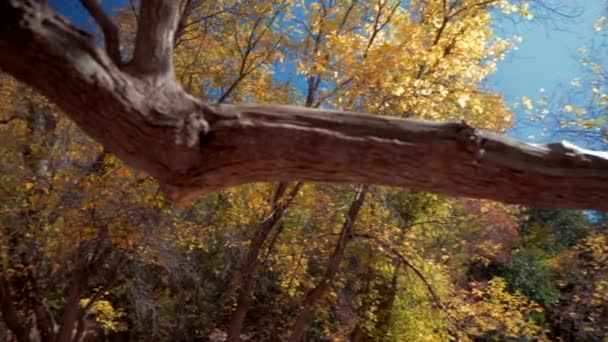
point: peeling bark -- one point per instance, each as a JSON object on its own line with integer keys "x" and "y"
{"x": 139, "y": 112}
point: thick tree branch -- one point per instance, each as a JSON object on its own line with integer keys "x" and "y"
{"x": 192, "y": 148}
{"x": 153, "y": 56}
{"x": 110, "y": 30}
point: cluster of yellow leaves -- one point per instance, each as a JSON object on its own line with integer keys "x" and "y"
{"x": 493, "y": 310}
{"x": 415, "y": 314}
{"x": 596, "y": 245}
{"x": 55, "y": 191}
{"x": 106, "y": 315}
{"x": 420, "y": 59}
{"x": 8, "y": 87}
{"x": 584, "y": 277}
{"x": 230, "y": 55}
{"x": 396, "y": 61}
{"x": 600, "y": 24}
{"x": 522, "y": 8}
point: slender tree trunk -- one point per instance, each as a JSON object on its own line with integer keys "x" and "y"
{"x": 385, "y": 308}
{"x": 280, "y": 204}
{"x": 72, "y": 308}
{"x": 365, "y": 278}
{"x": 44, "y": 318}
{"x": 315, "y": 295}
{"x": 9, "y": 314}
{"x": 88, "y": 265}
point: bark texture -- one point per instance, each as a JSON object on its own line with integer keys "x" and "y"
{"x": 138, "y": 111}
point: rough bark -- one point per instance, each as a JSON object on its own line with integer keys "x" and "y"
{"x": 139, "y": 112}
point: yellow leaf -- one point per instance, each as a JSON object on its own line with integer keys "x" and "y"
{"x": 527, "y": 102}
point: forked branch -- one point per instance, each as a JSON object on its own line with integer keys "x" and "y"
{"x": 143, "y": 121}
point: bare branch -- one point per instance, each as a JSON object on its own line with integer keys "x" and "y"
{"x": 188, "y": 6}
{"x": 110, "y": 30}
{"x": 153, "y": 57}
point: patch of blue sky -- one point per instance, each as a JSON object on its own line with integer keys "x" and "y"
{"x": 74, "y": 10}
{"x": 545, "y": 63}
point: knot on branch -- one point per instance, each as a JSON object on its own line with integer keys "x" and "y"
{"x": 188, "y": 125}
{"x": 192, "y": 126}
{"x": 473, "y": 139}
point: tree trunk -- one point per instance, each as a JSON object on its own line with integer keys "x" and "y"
{"x": 72, "y": 308}
{"x": 138, "y": 111}
{"x": 247, "y": 283}
{"x": 359, "y": 334}
{"x": 9, "y": 315}
{"x": 385, "y": 307}
{"x": 333, "y": 266}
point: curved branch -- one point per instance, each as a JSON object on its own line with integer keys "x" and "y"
{"x": 110, "y": 30}
{"x": 193, "y": 148}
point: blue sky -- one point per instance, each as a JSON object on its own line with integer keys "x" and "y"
{"x": 548, "y": 54}
{"x": 77, "y": 14}
{"x": 546, "y": 58}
